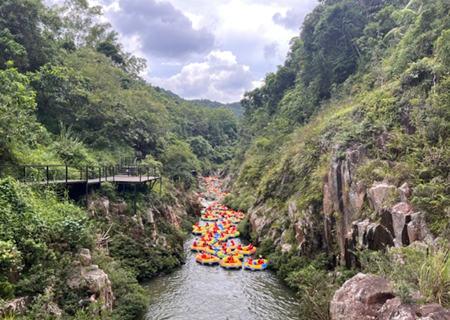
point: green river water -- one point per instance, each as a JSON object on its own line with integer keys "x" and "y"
{"x": 201, "y": 292}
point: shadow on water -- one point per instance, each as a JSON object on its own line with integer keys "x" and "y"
{"x": 204, "y": 292}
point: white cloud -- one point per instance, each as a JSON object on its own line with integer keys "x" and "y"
{"x": 172, "y": 33}
{"x": 218, "y": 78}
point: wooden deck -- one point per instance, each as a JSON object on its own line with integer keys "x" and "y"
{"x": 117, "y": 179}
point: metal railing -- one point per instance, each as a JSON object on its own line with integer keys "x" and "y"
{"x": 142, "y": 171}
{"x": 62, "y": 173}
{"x": 66, "y": 173}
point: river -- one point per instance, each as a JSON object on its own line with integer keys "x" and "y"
{"x": 211, "y": 292}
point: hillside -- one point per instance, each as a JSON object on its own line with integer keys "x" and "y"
{"x": 236, "y": 107}
{"x": 343, "y": 150}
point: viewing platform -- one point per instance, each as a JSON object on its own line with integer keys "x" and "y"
{"x": 127, "y": 172}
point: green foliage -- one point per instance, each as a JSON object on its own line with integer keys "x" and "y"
{"x": 17, "y": 122}
{"x": 179, "y": 162}
{"x": 266, "y": 247}
{"x": 28, "y": 29}
{"x": 411, "y": 269}
{"x": 145, "y": 261}
{"x": 108, "y": 190}
{"x": 314, "y": 291}
{"x": 131, "y": 298}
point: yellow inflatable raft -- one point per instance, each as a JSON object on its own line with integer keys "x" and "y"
{"x": 224, "y": 254}
{"x": 232, "y": 246}
{"x": 255, "y": 265}
{"x": 227, "y": 265}
{"x": 198, "y": 247}
{"x": 212, "y": 251}
{"x": 234, "y": 234}
{"x": 209, "y": 218}
{"x": 199, "y": 231}
{"x": 209, "y": 260}
{"x": 246, "y": 251}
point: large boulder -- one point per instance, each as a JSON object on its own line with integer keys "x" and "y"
{"x": 360, "y": 298}
{"x": 85, "y": 257}
{"x": 379, "y": 194}
{"x": 368, "y": 297}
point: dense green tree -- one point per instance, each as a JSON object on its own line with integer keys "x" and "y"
{"x": 32, "y": 25}
{"x": 17, "y": 121}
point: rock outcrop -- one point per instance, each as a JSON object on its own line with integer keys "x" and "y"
{"x": 259, "y": 218}
{"x": 368, "y": 297}
{"x": 360, "y": 298}
{"x": 379, "y": 195}
{"x": 17, "y": 305}
{"x": 344, "y": 196}
{"x": 92, "y": 278}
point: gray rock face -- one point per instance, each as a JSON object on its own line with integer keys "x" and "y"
{"x": 344, "y": 195}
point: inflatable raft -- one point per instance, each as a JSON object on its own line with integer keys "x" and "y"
{"x": 234, "y": 234}
{"x": 198, "y": 247}
{"x": 255, "y": 265}
{"x": 212, "y": 251}
{"x": 224, "y": 254}
{"x": 209, "y": 218}
{"x": 199, "y": 231}
{"x": 246, "y": 251}
{"x": 227, "y": 265}
{"x": 209, "y": 260}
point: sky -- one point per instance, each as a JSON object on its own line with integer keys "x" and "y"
{"x": 207, "y": 49}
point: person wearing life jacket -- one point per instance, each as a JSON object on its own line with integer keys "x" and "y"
{"x": 250, "y": 261}
{"x": 250, "y": 246}
{"x": 232, "y": 243}
{"x": 230, "y": 258}
{"x": 196, "y": 224}
{"x": 204, "y": 256}
{"x": 204, "y": 244}
{"x": 207, "y": 225}
{"x": 260, "y": 260}
{"x": 239, "y": 247}
{"x": 194, "y": 244}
